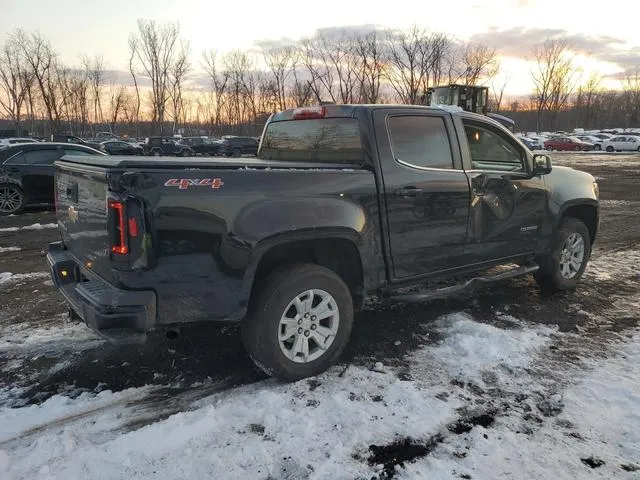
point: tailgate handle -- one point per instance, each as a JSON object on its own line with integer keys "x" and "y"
{"x": 72, "y": 193}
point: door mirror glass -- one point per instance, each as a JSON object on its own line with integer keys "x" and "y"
{"x": 541, "y": 164}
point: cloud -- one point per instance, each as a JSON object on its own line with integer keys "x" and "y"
{"x": 519, "y": 42}
{"x": 625, "y": 59}
{"x": 330, "y": 33}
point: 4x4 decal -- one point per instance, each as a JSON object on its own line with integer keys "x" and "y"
{"x": 184, "y": 183}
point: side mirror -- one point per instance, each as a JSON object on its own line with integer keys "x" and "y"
{"x": 541, "y": 164}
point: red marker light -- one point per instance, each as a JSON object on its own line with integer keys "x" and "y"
{"x": 133, "y": 227}
{"x": 307, "y": 113}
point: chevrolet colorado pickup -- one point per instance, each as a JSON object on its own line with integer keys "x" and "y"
{"x": 344, "y": 202}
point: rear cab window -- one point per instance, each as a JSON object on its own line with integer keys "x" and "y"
{"x": 320, "y": 140}
{"x": 420, "y": 141}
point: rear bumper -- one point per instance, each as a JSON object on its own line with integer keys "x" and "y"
{"x": 120, "y": 316}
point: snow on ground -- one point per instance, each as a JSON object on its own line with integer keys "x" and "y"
{"x": 595, "y": 423}
{"x": 11, "y": 278}
{"x": 35, "y": 226}
{"x": 324, "y": 427}
{"x": 9, "y": 249}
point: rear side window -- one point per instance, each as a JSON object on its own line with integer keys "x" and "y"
{"x": 330, "y": 140}
{"x": 42, "y": 157}
{"x": 420, "y": 141}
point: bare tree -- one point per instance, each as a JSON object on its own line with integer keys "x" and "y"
{"x": 478, "y": 63}
{"x": 341, "y": 64}
{"x": 409, "y": 60}
{"x": 281, "y": 63}
{"x": 631, "y": 89}
{"x": 370, "y": 73}
{"x": 219, "y": 82}
{"x": 96, "y": 75}
{"x": 498, "y": 89}
{"x": 154, "y": 50}
{"x": 15, "y": 80}
{"x": 321, "y": 81}
{"x": 133, "y": 114}
{"x": 177, "y": 71}
{"x": 41, "y": 61}
{"x": 554, "y": 78}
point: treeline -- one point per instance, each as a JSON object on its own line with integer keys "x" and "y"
{"x": 164, "y": 91}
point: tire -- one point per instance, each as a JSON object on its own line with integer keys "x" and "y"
{"x": 597, "y": 147}
{"x": 236, "y": 152}
{"x": 274, "y": 301}
{"x": 12, "y": 199}
{"x": 577, "y": 149}
{"x": 550, "y": 276}
{"x": 156, "y": 153}
{"x": 609, "y": 149}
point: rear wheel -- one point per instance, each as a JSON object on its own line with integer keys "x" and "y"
{"x": 237, "y": 152}
{"x": 577, "y": 148}
{"x": 12, "y": 200}
{"x": 563, "y": 266}
{"x": 156, "y": 153}
{"x": 597, "y": 147}
{"x": 299, "y": 322}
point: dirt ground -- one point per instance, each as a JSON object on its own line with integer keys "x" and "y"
{"x": 67, "y": 358}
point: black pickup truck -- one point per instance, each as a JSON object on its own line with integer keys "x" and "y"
{"x": 344, "y": 202}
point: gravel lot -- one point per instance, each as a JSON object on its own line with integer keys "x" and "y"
{"x": 44, "y": 353}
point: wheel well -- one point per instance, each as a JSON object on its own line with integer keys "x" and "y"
{"x": 588, "y": 215}
{"x": 337, "y": 254}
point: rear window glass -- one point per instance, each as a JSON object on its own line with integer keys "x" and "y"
{"x": 334, "y": 140}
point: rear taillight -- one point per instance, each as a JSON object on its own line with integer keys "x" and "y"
{"x": 119, "y": 237}
{"x": 307, "y": 113}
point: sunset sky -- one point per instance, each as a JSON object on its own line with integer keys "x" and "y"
{"x": 608, "y": 38}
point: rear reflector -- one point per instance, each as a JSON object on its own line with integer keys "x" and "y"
{"x": 133, "y": 227}
{"x": 306, "y": 113}
{"x": 120, "y": 244}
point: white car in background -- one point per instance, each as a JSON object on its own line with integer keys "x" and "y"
{"x": 6, "y": 142}
{"x": 622, "y": 143}
{"x": 597, "y": 142}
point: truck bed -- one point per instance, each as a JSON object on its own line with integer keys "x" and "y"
{"x": 127, "y": 162}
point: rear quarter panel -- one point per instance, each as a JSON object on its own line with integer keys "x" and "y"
{"x": 207, "y": 242}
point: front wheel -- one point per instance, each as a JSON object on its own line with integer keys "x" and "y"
{"x": 597, "y": 147}
{"x": 299, "y": 322}
{"x": 12, "y": 200}
{"x": 563, "y": 266}
{"x": 609, "y": 149}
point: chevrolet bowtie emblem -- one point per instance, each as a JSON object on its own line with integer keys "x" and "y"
{"x": 73, "y": 214}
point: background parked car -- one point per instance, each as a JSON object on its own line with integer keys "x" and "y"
{"x": 159, "y": 146}
{"x": 597, "y": 142}
{"x": 27, "y": 173}
{"x": 622, "y": 143}
{"x": 118, "y": 147}
{"x": 567, "y": 144}
{"x": 531, "y": 143}
{"x": 74, "y": 139}
{"x": 236, "y": 146}
{"x": 201, "y": 145}
{"x": 5, "y": 142}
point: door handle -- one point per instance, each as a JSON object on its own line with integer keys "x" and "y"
{"x": 409, "y": 192}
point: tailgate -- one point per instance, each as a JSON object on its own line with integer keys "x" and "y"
{"x": 81, "y": 208}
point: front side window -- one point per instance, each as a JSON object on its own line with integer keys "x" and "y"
{"x": 420, "y": 141}
{"x": 492, "y": 150}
